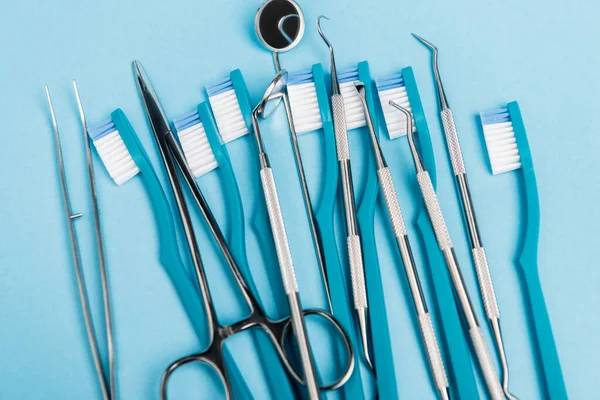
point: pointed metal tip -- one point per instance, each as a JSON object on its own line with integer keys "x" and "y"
{"x": 320, "y": 17}
{"x": 425, "y": 42}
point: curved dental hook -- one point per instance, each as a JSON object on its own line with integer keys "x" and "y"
{"x": 436, "y": 71}
{"x": 280, "y": 27}
{"x": 335, "y": 86}
{"x": 411, "y": 139}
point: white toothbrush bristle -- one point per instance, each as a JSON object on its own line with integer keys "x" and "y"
{"x": 355, "y": 114}
{"x": 116, "y": 157}
{"x": 197, "y": 150}
{"x": 305, "y": 107}
{"x": 502, "y": 147}
{"x": 228, "y": 115}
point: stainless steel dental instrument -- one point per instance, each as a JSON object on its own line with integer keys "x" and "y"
{"x": 264, "y": 108}
{"x": 100, "y": 247}
{"x": 462, "y": 296}
{"x": 105, "y": 386}
{"x": 484, "y": 277}
{"x": 276, "y": 330}
{"x": 397, "y": 221}
{"x": 279, "y": 25}
{"x": 355, "y": 256}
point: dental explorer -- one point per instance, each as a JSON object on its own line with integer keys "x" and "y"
{"x": 484, "y": 277}
{"x": 460, "y": 290}
{"x": 279, "y": 12}
{"x": 394, "y": 212}
{"x": 81, "y": 286}
{"x": 354, "y": 248}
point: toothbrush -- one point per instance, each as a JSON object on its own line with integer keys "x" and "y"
{"x": 309, "y": 104}
{"x": 387, "y": 385}
{"x": 124, "y": 158}
{"x": 484, "y": 277}
{"x": 445, "y": 244}
{"x": 232, "y": 108}
{"x": 402, "y": 89}
{"x": 508, "y": 150}
{"x": 355, "y": 254}
{"x": 386, "y": 184}
{"x": 201, "y": 145}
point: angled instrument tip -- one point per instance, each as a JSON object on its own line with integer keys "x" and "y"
{"x": 425, "y": 42}
{"x": 409, "y": 132}
{"x": 436, "y": 71}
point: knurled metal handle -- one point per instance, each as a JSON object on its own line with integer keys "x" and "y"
{"x": 433, "y": 351}
{"x": 458, "y": 164}
{"x": 486, "y": 363}
{"x": 357, "y": 272}
{"x": 278, "y": 228}
{"x": 391, "y": 202}
{"x": 434, "y": 210}
{"x": 339, "y": 125}
{"x": 485, "y": 283}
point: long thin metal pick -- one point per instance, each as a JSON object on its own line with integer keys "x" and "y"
{"x": 436, "y": 71}
{"x": 83, "y": 295}
{"x": 100, "y": 248}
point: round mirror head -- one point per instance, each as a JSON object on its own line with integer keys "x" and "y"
{"x": 273, "y": 95}
{"x": 279, "y": 24}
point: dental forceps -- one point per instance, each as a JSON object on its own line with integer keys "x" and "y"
{"x": 108, "y": 386}
{"x": 354, "y": 248}
{"x": 277, "y": 331}
{"x": 486, "y": 286}
{"x": 386, "y": 184}
{"x": 445, "y": 244}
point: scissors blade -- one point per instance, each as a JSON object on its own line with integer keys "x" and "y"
{"x": 154, "y": 110}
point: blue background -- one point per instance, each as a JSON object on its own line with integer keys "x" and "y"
{"x": 541, "y": 53}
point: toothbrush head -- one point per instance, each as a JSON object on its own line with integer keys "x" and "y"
{"x": 500, "y": 140}
{"x": 112, "y": 150}
{"x": 195, "y": 145}
{"x": 304, "y": 102}
{"x": 393, "y": 88}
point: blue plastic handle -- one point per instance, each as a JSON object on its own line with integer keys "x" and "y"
{"x": 382, "y": 347}
{"x": 528, "y": 261}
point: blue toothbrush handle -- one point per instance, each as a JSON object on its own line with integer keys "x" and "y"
{"x": 544, "y": 339}
{"x": 387, "y": 384}
{"x": 456, "y": 348}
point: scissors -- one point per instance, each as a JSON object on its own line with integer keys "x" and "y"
{"x": 277, "y": 331}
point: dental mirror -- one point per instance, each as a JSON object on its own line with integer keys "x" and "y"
{"x": 279, "y": 25}
{"x": 273, "y": 95}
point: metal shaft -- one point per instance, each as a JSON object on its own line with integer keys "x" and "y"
{"x": 314, "y": 229}
{"x": 100, "y": 248}
{"x": 286, "y": 265}
{"x": 354, "y": 247}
